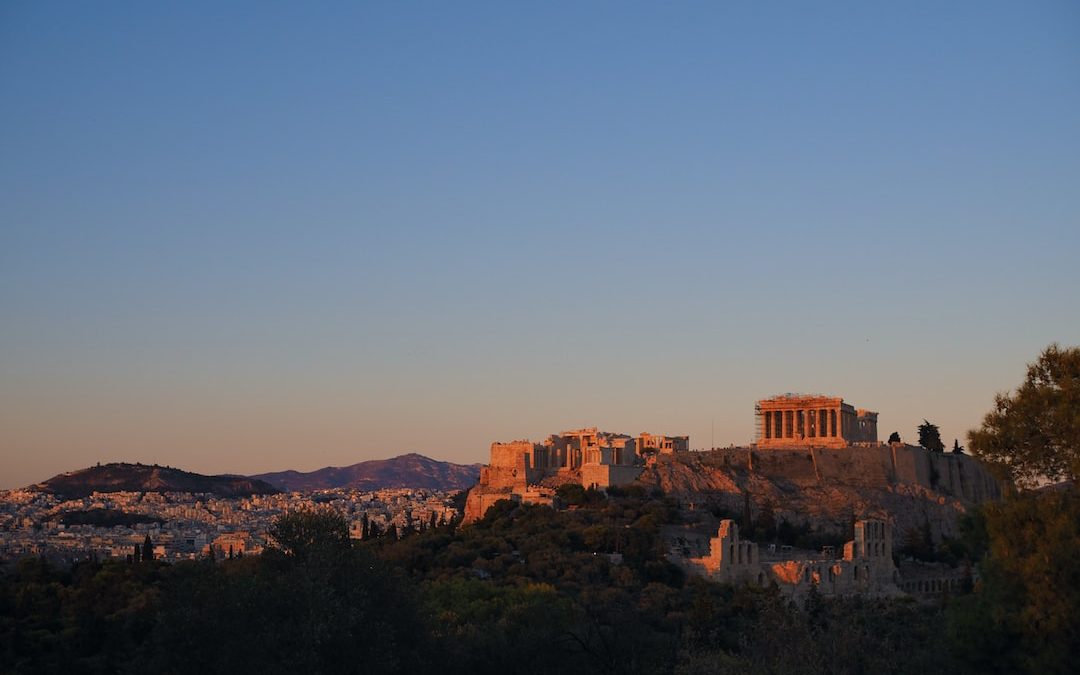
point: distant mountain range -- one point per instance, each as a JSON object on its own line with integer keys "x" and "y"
{"x": 123, "y": 477}
{"x": 411, "y": 470}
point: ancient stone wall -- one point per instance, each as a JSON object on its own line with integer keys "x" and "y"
{"x": 958, "y": 476}
{"x": 866, "y": 568}
{"x": 606, "y": 475}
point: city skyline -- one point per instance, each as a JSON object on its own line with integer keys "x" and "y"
{"x": 253, "y": 238}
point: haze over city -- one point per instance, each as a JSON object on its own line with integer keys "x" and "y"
{"x": 257, "y": 237}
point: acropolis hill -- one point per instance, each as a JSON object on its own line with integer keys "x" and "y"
{"x": 815, "y": 460}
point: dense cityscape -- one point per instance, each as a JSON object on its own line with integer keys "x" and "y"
{"x": 185, "y": 526}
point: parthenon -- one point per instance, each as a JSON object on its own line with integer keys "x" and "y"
{"x": 798, "y": 420}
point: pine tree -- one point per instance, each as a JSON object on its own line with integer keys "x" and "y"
{"x": 956, "y": 447}
{"x": 135, "y": 554}
{"x": 147, "y": 549}
{"x": 1032, "y": 435}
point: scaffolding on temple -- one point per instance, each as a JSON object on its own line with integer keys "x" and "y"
{"x": 759, "y": 423}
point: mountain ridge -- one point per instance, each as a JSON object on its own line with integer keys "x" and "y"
{"x": 409, "y": 470}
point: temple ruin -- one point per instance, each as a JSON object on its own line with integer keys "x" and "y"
{"x": 518, "y": 470}
{"x": 800, "y": 420}
{"x": 866, "y": 566}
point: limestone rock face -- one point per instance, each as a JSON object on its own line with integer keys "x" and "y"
{"x": 907, "y": 486}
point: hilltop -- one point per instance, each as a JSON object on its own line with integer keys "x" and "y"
{"x": 411, "y": 470}
{"x": 828, "y": 488}
{"x": 124, "y": 477}
{"x": 825, "y": 489}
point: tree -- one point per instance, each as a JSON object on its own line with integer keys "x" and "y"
{"x": 311, "y": 603}
{"x": 930, "y": 437}
{"x": 956, "y": 447}
{"x": 303, "y": 533}
{"x": 147, "y": 549}
{"x": 1025, "y": 613}
{"x": 894, "y": 437}
{"x": 1033, "y": 435}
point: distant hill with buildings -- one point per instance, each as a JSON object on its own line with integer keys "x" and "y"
{"x": 411, "y": 470}
{"x": 124, "y": 477}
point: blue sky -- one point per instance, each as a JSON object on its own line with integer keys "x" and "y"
{"x": 288, "y": 235}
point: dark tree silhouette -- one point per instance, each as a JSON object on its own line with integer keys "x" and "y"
{"x": 1033, "y": 434}
{"x": 930, "y": 437}
{"x": 894, "y": 437}
{"x": 147, "y": 549}
{"x": 302, "y": 533}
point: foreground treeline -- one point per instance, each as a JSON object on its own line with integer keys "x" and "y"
{"x": 532, "y": 590}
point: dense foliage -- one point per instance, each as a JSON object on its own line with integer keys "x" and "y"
{"x": 1033, "y": 434}
{"x": 1026, "y": 615}
{"x": 532, "y": 590}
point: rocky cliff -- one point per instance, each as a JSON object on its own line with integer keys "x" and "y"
{"x": 908, "y": 486}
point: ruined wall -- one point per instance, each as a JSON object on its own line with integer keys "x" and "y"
{"x": 836, "y": 578}
{"x": 606, "y": 475}
{"x": 867, "y": 567}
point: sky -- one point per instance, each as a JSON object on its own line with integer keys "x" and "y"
{"x": 245, "y": 237}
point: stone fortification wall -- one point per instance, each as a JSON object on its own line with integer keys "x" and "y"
{"x": 606, "y": 475}
{"x": 508, "y": 454}
{"x": 959, "y": 476}
{"x": 869, "y": 467}
{"x": 796, "y": 466}
{"x": 478, "y": 502}
{"x": 510, "y": 467}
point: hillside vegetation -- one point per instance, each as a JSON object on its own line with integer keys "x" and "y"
{"x": 532, "y": 590}
{"x": 123, "y": 477}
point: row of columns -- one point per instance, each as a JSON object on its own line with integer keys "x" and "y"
{"x": 799, "y": 422}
